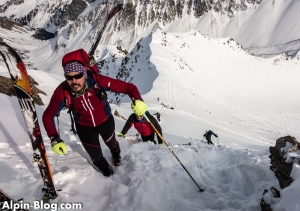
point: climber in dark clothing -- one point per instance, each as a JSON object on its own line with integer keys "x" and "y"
{"x": 157, "y": 115}
{"x": 208, "y": 134}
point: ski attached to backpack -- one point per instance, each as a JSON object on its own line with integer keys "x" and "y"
{"x": 7, "y": 203}
{"x": 110, "y": 15}
{"x": 19, "y": 77}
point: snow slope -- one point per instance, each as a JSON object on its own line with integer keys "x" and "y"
{"x": 212, "y": 84}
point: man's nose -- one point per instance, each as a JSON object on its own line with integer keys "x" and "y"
{"x": 74, "y": 80}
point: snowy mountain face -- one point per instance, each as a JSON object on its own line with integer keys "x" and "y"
{"x": 227, "y": 18}
{"x": 55, "y": 13}
{"x": 60, "y": 12}
{"x": 70, "y": 25}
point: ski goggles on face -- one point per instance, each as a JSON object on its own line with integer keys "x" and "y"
{"x": 139, "y": 117}
{"x": 77, "y": 76}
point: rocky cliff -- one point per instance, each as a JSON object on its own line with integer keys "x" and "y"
{"x": 284, "y": 157}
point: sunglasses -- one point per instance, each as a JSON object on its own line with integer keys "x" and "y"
{"x": 139, "y": 116}
{"x": 77, "y": 76}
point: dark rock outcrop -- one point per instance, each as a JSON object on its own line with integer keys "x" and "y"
{"x": 6, "y": 87}
{"x": 280, "y": 165}
{"x": 42, "y": 34}
{"x": 282, "y": 161}
{"x": 5, "y": 23}
{"x": 73, "y": 10}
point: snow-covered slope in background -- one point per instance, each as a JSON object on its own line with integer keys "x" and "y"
{"x": 212, "y": 84}
{"x": 263, "y": 27}
{"x": 190, "y": 67}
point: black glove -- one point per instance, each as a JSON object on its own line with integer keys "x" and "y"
{"x": 216, "y": 135}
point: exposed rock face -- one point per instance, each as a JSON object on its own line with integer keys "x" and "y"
{"x": 141, "y": 13}
{"x": 5, "y": 23}
{"x": 201, "y": 7}
{"x": 72, "y": 11}
{"x": 6, "y": 87}
{"x": 42, "y": 34}
{"x": 53, "y": 10}
{"x": 163, "y": 10}
{"x": 59, "y": 13}
{"x": 282, "y": 160}
{"x": 9, "y": 3}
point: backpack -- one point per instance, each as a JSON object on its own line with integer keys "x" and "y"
{"x": 81, "y": 57}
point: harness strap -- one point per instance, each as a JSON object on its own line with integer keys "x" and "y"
{"x": 72, "y": 122}
{"x": 100, "y": 92}
{"x": 68, "y": 103}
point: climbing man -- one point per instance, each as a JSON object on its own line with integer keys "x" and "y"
{"x": 90, "y": 109}
{"x": 208, "y": 134}
{"x": 141, "y": 124}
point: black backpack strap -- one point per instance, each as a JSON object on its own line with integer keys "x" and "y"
{"x": 68, "y": 104}
{"x": 72, "y": 122}
{"x": 100, "y": 92}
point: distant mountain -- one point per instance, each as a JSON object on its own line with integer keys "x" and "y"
{"x": 252, "y": 23}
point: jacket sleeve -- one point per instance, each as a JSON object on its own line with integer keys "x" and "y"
{"x": 114, "y": 85}
{"x": 127, "y": 125}
{"x": 55, "y": 106}
{"x": 157, "y": 126}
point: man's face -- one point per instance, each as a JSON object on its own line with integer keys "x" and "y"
{"x": 139, "y": 117}
{"x": 76, "y": 80}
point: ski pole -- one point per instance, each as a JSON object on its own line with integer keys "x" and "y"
{"x": 58, "y": 130}
{"x": 136, "y": 135}
{"x": 200, "y": 189}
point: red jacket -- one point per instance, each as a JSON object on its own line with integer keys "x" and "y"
{"x": 91, "y": 110}
{"x": 142, "y": 126}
